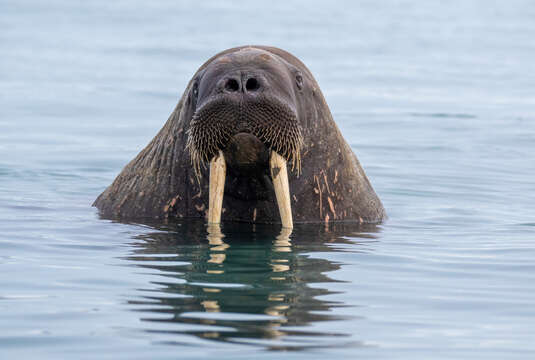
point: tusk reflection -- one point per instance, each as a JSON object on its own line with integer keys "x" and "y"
{"x": 281, "y": 245}
{"x": 282, "y": 242}
{"x": 218, "y": 247}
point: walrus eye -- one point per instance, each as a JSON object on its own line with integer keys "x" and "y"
{"x": 299, "y": 81}
{"x": 195, "y": 90}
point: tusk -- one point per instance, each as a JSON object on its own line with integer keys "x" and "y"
{"x": 279, "y": 175}
{"x": 218, "y": 169}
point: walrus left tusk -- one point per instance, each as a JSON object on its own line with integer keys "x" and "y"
{"x": 218, "y": 170}
{"x": 279, "y": 175}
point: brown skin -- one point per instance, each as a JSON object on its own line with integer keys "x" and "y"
{"x": 230, "y": 94}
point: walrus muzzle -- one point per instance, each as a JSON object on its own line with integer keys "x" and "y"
{"x": 223, "y": 123}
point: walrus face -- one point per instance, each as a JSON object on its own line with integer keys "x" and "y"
{"x": 246, "y": 119}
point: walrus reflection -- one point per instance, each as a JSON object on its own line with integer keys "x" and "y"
{"x": 241, "y": 284}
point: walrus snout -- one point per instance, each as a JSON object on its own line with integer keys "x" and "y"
{"x": 271, "y": 120}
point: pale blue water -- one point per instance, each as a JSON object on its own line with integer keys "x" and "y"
{"x": 436, "y": 99}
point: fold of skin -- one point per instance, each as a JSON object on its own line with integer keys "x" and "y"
{"x": 279, "y": 175}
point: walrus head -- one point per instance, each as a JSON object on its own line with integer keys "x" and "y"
{"x": 246, "y": 118}
{"x": 256, "y": 115}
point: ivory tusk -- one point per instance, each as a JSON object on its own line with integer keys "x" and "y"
{"x": 218, "y": 170}
{"x": 279, "y": 175}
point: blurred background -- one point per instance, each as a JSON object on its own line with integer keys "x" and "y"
{"x": 436, "y": 99}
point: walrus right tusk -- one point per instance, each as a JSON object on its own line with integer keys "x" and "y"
{"x": 279, "y": 175}
{"x": 218, "y": 170}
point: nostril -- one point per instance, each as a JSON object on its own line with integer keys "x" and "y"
{"x": 252, "y": 84}
{"x": 232, "y": 85}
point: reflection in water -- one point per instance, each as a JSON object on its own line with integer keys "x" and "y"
{"x": 242, "y": 283}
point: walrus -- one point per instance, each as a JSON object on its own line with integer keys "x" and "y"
{"x": 251, "y": 140}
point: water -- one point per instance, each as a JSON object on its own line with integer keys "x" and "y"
{"x": 436, "y": 100}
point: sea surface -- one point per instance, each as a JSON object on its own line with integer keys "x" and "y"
{"x": 437, "y": 99}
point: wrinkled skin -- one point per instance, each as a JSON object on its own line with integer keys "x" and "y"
{"x": 247, "y": 102}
